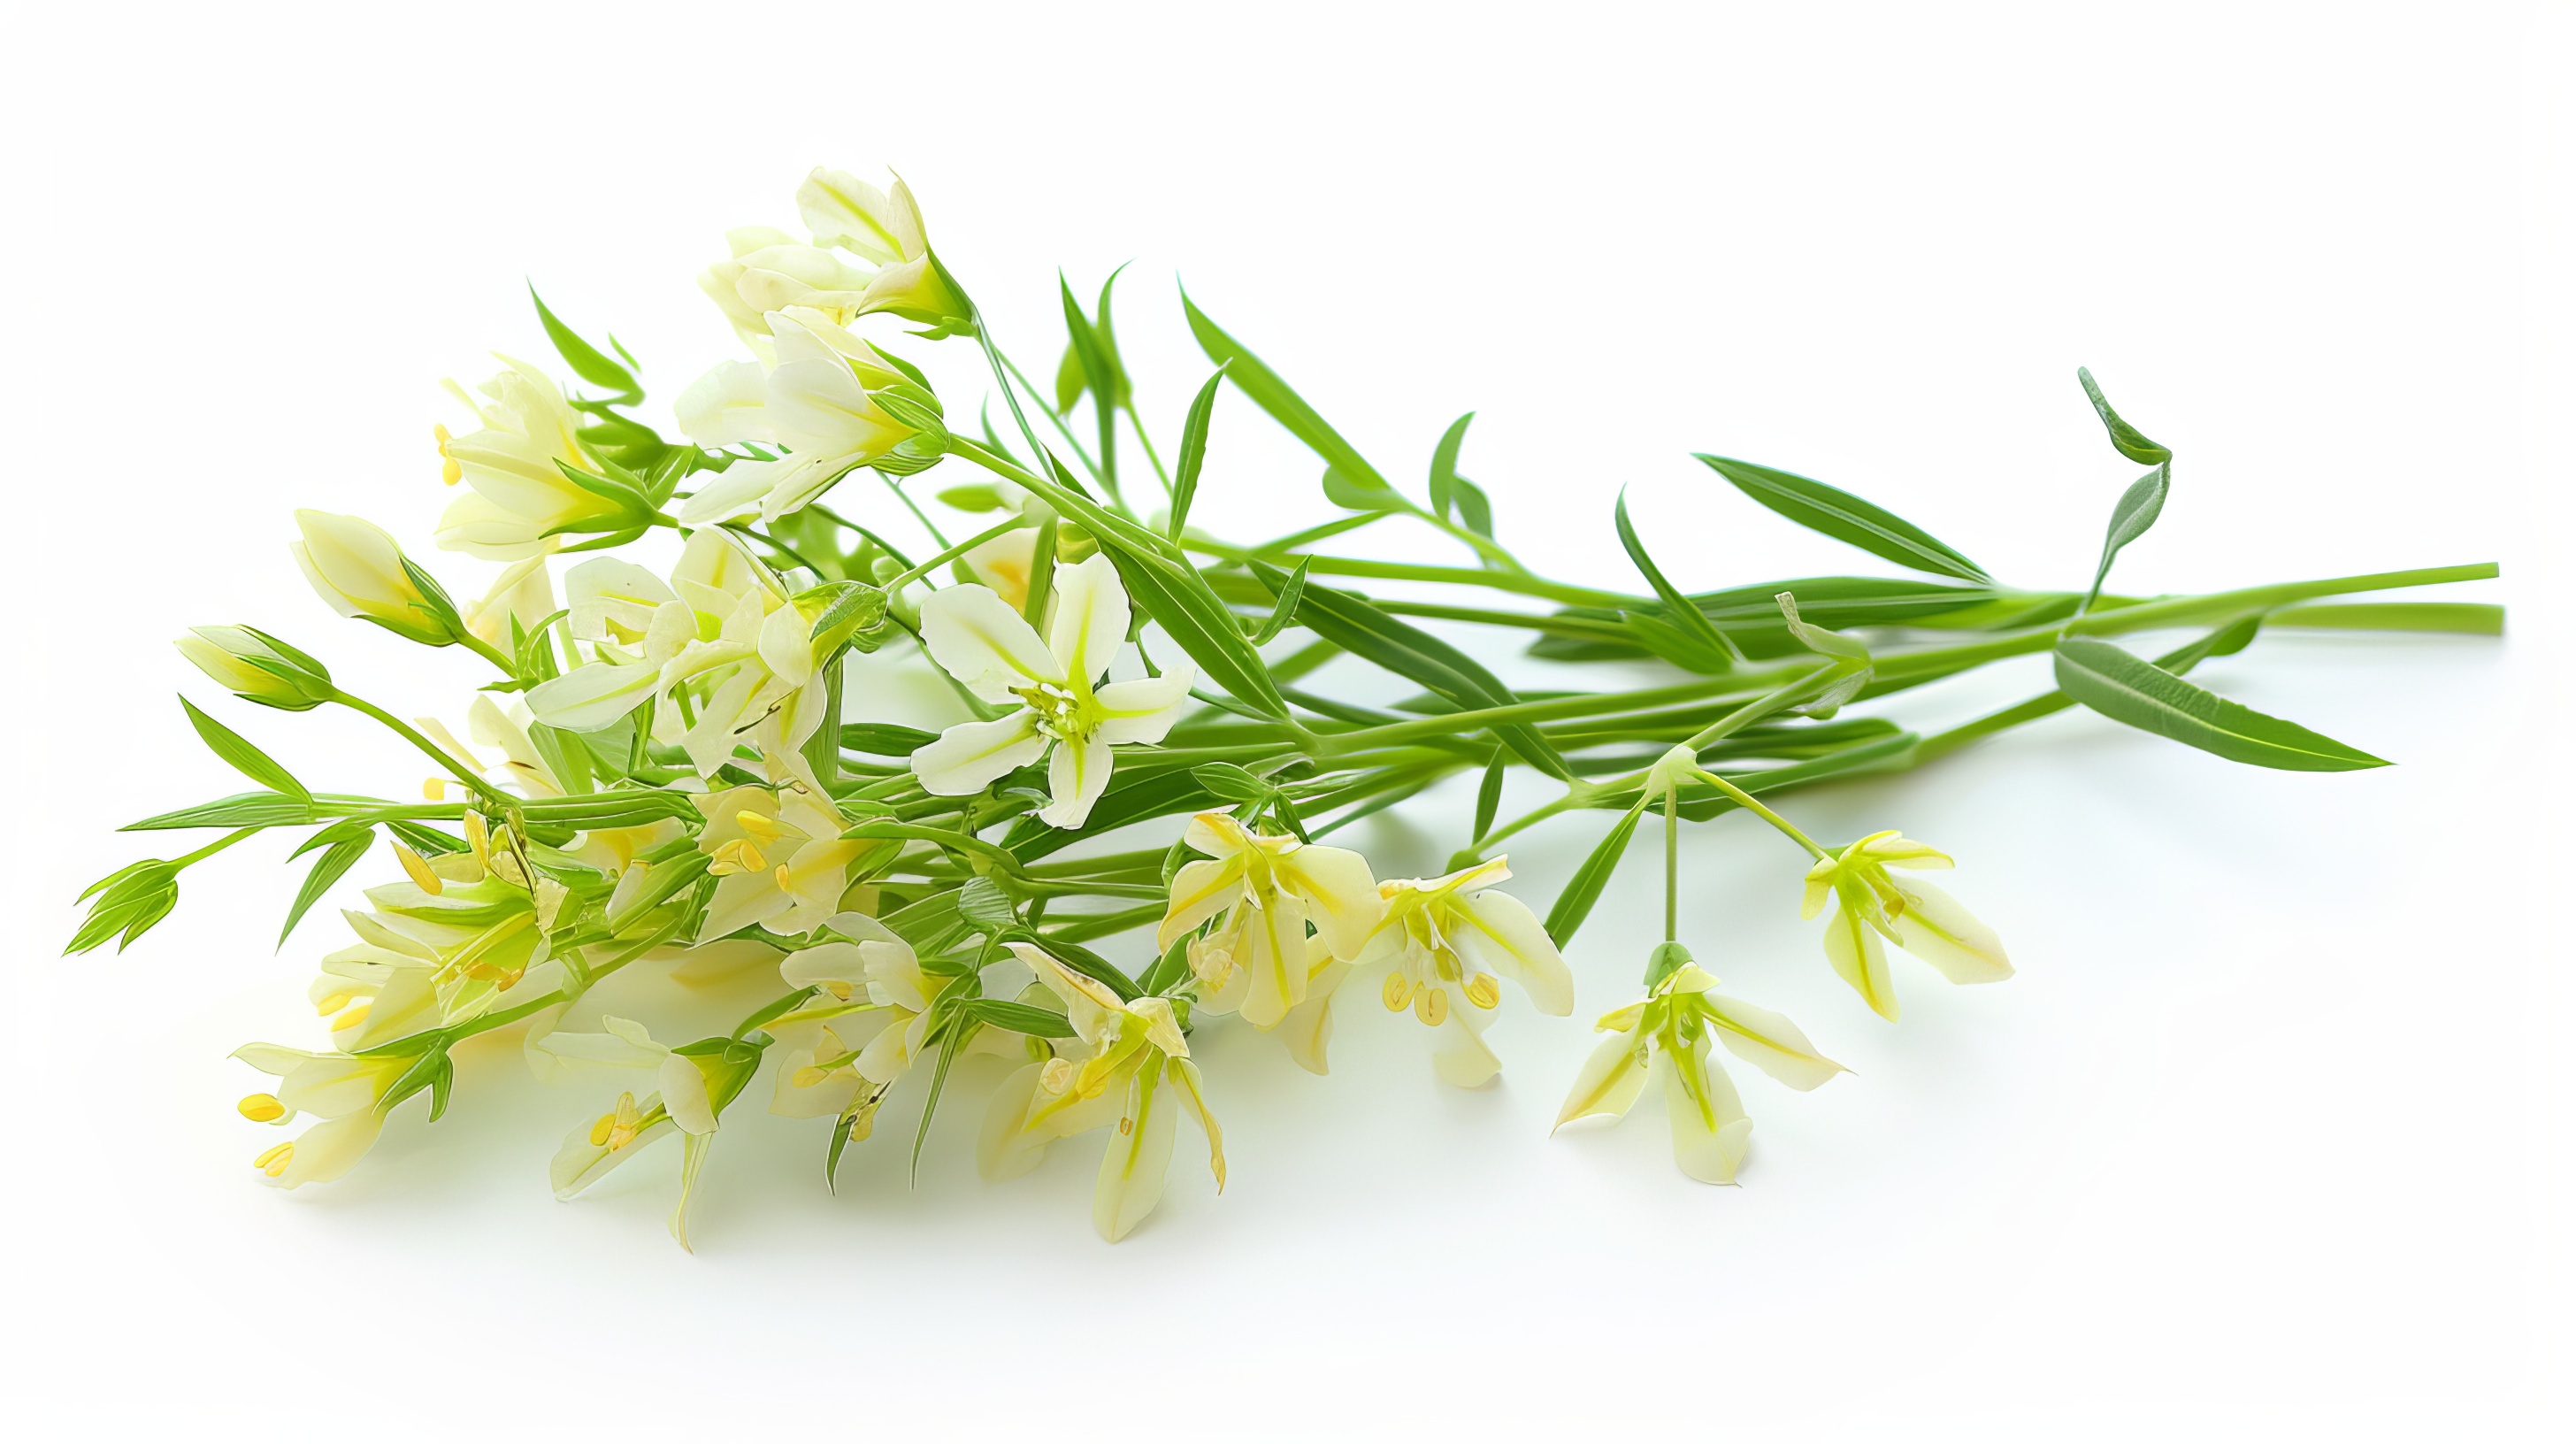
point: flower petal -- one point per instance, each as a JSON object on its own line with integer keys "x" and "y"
{"x": 1708, "y": 1122}
{"x": 590, "y": 697}
{"x": 1089, "y": 624}
{"x": 1274, "y": 953}
{"x": 1860, "y": 959}
{"x": 1190, "y": 1090}
{"x": 1343, "y": 897}
{"x": 1139, "y": 1156}
{"x": 1145, "y": 709}
{"x": 1769, "y": 1042}
{"x": 1506, "y": 936}
{"x": 970, "y": 756}
{"x": 1076, "y": 776}
{"x": 1004, "y": 1146}
{"x": 1935, "y": 928}
{"x": 1609, "y": 1084}
{"x": 1459, "y": 1054}
{"x": 1200, "y": 890}
{"x": 983, "y": 643}
{"x": 1308, "y": 1028}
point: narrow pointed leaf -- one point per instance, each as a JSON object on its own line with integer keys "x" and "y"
{"x": 587, "y": 361}
{"x": 1444, "y": 465}
{"x": 1584, "y": 889}
{"x": 2128, "y": 688}
{"x": 1193, "y": 457}
{"x": 327, "y": 869}
{"x": 252, "y": 763}
{"x": 2126, "y": 439}
{"x": 1680, "y": 610}
{"x": 2137, "y": 510}
{"x": 1276, "y": 396}
{"x": 1845, "y": 517}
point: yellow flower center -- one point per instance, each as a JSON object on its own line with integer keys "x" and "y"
{"x": 616, "y": 1128}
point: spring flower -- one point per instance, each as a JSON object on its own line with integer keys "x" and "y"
{"x": 770, "y": 270}
{"x": 842, "y": 210}
{"x": 358, "y": 568}
{"x": 514, "y": 463}
{"x": 778, "y": 853}
{"x": 1916, "y": 916}
{"x": 325, "y": 1085}
{"x": 323, "y": 1152}
{"x": 814, "y": 402}
{"x": 1669, "y": 1034}
{"x": 473, "y": 918}
{"x": 1137, "y": 1048}
{"x": 1266, "y": 888}
{"x": 997, "y": 655}
{"x": 522, "y": 593}
{"x": 258, "y": 667}
{"x": 1448, "y": 942}
{"x": 1005, "y": 564}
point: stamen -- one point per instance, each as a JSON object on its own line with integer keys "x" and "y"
{"x": 433, "y": 789}
{"x": 262, "y": 1108}
{"x": 785, "y": 884}
{"x": 417, "y": 867}
{"x": 764, "y": 828}
{"x": 333, "y": 1003}
{"x": 1398, "y": 989}
{"x": 449, "y": 472}
{"x": 1483, "y": 991}
{"x": 600, "y": 1130}
{"x": 275, "y": 1160}
{"x": 353, "y": 1017}
{"x": 478, "y": 836}
{"x": 1056, "y": 1076}
{"x": 1431, "y": 1005}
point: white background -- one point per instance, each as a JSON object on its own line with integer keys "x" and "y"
{"x": 2268, "y": 1132}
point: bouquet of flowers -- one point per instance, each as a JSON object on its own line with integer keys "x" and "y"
{"x": 1124, "y": 839}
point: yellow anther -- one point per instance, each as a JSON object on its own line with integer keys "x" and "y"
{"x": 740, "y": 856}
{"x": 839, "y": 990}
{"x": 808, "y": 1076}
{"x": 274, "y": 1161}
{"x": 615, "y": 1128}
{"x": 478, "y": 836}
{"x": 599, "y": 1131}
{"x": 1126, "y": 1126}
{"x": 1056, "y": 1076}
{"x": 448, "y": 471}
{"x": 1483, "y": 991}
{"x": 262, "y": 1108}
{"x": 1431, "y": 1005}
{"x": 785, "y": 883}
{"x": 434, "y": 789}
{"x": 764, "y": 828}
{"x": 1397, "y": 990}
{"x": 417, "y": 867}
{"x": 353, "y": 1017}
{"x": 334, "y": 1003}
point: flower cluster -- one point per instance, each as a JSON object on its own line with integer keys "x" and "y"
{"x": 687, "y": 769}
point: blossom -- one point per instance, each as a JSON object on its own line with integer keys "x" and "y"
{"x": 998, "y": 657}
{"x": 769, "y": 270}
{"x": 699, "y": 1081}
{"x": 815, "y": 402}
{"x": 515, "y": 465}
{"x": 258, "y": 667}
{"x": 323, "y": 1152}
{"x": 1920, "y": 918}
{"x": 1136, "y": 1048}
{"x": 1447, "y": 942}
{"x": 522, "y": 593}
{"x": 1266, "y": 888}
{"x": 724, "y": 628}
{"x": 358, "y": 568}
{"x": 1005, "y": 564}
{"x": 326, "y": 1085}
{"x": 885, "y": 228}
{"x": 1668, "y": 1033}
{"x": 778, "y": 853}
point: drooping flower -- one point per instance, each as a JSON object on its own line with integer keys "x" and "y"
{"x": 1447, "y": 944}
{"x": 514, "y": 463}
{"x": 1267, "y": 888}
{"x": 1916, "y": 916}
{"x": 842, "y": 210}
{"x": 1136, "y": 1050}
{"x": 699, "y": 1081}
{"x": 1668, "y": 1034}
{"x": 814, "y": 402}
{"x": 997, "y": 656}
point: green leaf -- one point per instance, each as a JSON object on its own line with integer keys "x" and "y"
{"x": 1233, "y": 783}
{"x": 1193, "y": 457}
{"x": 1666, "y": 960}
{"x": 1845, "y": 517}
{"x": 1350, "y": 622}
{"x": 2128, "y": 688}
{"x": 884, "y": 739}
{"x": 1680, "y": 610}
{"x": 2482, "y": 619}
{"x": 1276, "y": 396}
{"x": 252, "y": 763}
{"x": 1350, "y": 495}
{"x": 327, "y": 869}
{"x": 1099, "y": 371}
{"x": 2137, "y": 510}
{"x": 1019, "y": 1018}
{"x": 586, "y": 360}
{"x": 1489, "y": 795}
{"x": 1584, "y": 889}
{"x": 1475, "y": 512}
{"x": 1285, "y": 611}
{"x": 1444, "y": 465}
{"x": 242, "y": 809}
{"x": 1179, "y": 598}
{"x": 2126, "y": 439}
{"x": 1168, "y": 969}
{"x": 983, "y": 902}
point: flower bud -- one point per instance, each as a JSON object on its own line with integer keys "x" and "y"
{"x": 358, "y": 568}
{"x": 258, "y": 667}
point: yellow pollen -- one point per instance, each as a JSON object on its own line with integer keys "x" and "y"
{"x": 262, "y": 1108}
{"x": 784, "y": 885}
{"x": 478, "y": 836}
{"x": 599, "y": 1131}
{"x": 353, "y": 1017}
{"x": 434, "y": 789}
{"x": 1483, "y": 991}
{"x": 838, "y": 990}
{"x": 417, "y": 867}
{"x": 1056, "y": 1076}
{"x": 1126, "y": 1126}
{"x": 274, "y": 1161}
{"x": 808, "y": 1076}
{"x": 1396, "y": 991}
{"x": 1431, "y": 1005}
{"x": 448, "y": 471}
{"x": 333, "y": 1003}
{"x": 766, "y": 829}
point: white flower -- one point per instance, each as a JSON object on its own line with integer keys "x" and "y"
{"x": 842, "y": 210}
{"x": 1137, "y": 1051}
{"x": 998, "y": 656}
{"x": 522, "y": 593}
{"x": 814, "y": 403}
{"x": 326, "y": 1085}
{"x": 520, "y": 493}
{"x": 356, "y": 566}
{"x": 1447, "y": 943}
{"x": 324, "y": 1152}
{"x": 770, "y": 270}
{"x": 1674, "y": 1025}
{"x": 1268, "y": 888}
{"x": 1916, "y": 916}
{"x": 778, "y": 854}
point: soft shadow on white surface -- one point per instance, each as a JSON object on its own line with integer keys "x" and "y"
{"x": 2266, "y": 1134}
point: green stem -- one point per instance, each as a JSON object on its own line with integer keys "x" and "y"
{"x": 1517, "y": 582}
{"x": 936, "y": 539}
{"x": 491, "y": 654}
{"x": 404, "y": 730}
{"x": 1137, "y": 423}
{"x": 907, "y": 578}
{"x": 1749, "y": 803}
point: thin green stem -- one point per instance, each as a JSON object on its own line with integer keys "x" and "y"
{"x": 491, "y": 654}
{"x": 914, "y": 574}
{"x": 1672, "y": 863}
{"x": 1137, "y": 423}
{"x": 1749, "y": 803}
{"x": 404, "y": 730}
{"x": 923, "y": 517}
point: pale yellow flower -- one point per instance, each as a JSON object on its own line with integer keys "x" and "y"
{"x": 1264, "y": 889}
{"x": 1916, "y": 916}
